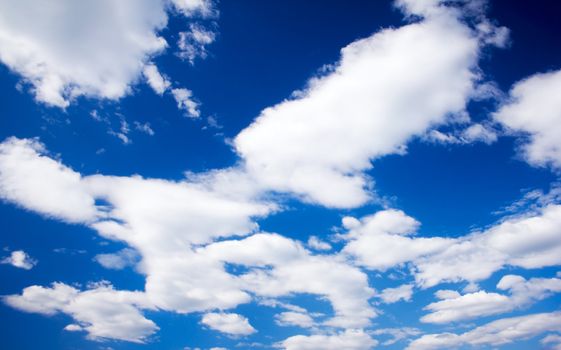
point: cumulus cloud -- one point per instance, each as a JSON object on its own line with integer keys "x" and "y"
{"x": 102, "y": 312}
{"x": 393, "y": 295}
{"x": 232, "y": 324}
{"x": 534, "y": 110}
{"x": 293, "y": 318}
{"x": 496, "y": 333}
{"x": 19, "y": 259}
{"x": 117, "y": 261}
{"x": 317, "y": 244}
{"x": 301, "y": 145}
{"x": 455, "y": 307}
{"x": 42, "y": 184}
{"x": 184, "y": 100}
{"x": 155, "y": 79}
{"x": 382, "y": 241}
{"x": 80, "y": 58}
{"x": 347, "y": 340}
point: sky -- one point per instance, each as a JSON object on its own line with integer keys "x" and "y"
{"x": 317, "y": 175}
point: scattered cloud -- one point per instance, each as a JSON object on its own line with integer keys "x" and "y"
{"x": 19, "y": 259}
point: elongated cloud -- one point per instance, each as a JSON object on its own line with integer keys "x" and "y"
{"x": 384, "y": 90}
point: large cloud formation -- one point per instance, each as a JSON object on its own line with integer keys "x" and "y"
{"x": 63, "y": 52}
{"x": 190, "y": 235}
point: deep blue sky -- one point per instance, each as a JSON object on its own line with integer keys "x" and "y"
{"x": 264, "y": 50}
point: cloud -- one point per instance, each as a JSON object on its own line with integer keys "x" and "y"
{"x": 292, "y": 318}
{"x": 534, "y": 110}
{"x": 396, "y": 334}
{"x": 232, "y": 324}
{"x": 393, "y": 295}
{"x": 301, "y": 145}
{"x": 42, "y": 184}
{"x": 102, "y": 312}
{"x": 381, "y": 241}
{"x": 499, "y": 332}
{"x": 474, "y": 133}
{"x": 347, "y": 340}
{"x": 155, "y": 79}
{"x": 81, "y": 58}
{"x": 118, "y": 261}
{"x": 19, "y": 259}
{"x": 184, "y": 102}
{"x": 192, "y": 44}
{"x": 317, "y": 244}
{"x": 455, "y": 307}
{"x": 292, "y": 270}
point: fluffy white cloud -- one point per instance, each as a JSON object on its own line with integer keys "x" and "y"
{"x": 62, "y": 58}
{"x": 294, "y": 270}
{"x": 393, "y": 295}
{"x": 534, "y": 109}
{"x": 500, "y": 332}
{"x": 184, "y": 100}
{"x": 42, "y": 184}
{"x": 155, "y": 79}
{"x": 529, "y": 242}
{"x": 292, "y": 318}
{"x": 347, "y": 340}
{"x": 19, "y": 259}
{"x": 396, "y": 334}
{"x": 102, "y": 312}
{"x": 117, "y": 261}
{"x": 382, "y": 241}
{"x": 317, "y": 244}
{"x": 232, "y": 324}
{"x": 376, "y": 96}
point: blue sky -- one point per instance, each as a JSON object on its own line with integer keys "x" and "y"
{"x": 193, "y": 174}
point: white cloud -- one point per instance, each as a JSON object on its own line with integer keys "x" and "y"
{"x": 185, "y": 102}
{"x": 393, "y": 295}
{"x": 474, "y": 133}
{"x": 19, "y": 259}
{"x": 102, "y": 312}
{"x": 294, "y": 270}
{"x": 534, "y": 110}
{"x": 553, "y": 341}
{"x": 301, "y": 145}
{"x": 381, "y": 241}
{"x": 155, "y": 79}
{"x": 292, "y": 318}
{"x": 42, "y": 184}
{"x": 347, "y": 340}
{"x": 192, "y": 44}
{"x": 202, "y": 8}
{"x": 499, "y": 332}
{"x": 117, "y": 261}
{"x": 62, "y": 58}
{"x": 396, "y": 334}
{"x": 317, "y": 244}
{"x": 232, "y": 324}
{"x": 145, "y": 128}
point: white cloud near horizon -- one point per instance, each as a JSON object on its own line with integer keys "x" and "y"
{"x": 496, "y": 333}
